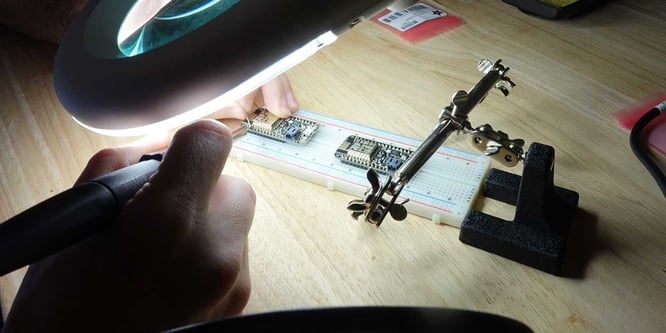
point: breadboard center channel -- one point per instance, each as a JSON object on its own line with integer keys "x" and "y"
{"x": 442, "y": 191}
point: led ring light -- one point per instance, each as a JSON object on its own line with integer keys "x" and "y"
{"x": 117, "y": 77}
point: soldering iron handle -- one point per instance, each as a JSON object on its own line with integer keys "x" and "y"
{"x": 69, "y": 217}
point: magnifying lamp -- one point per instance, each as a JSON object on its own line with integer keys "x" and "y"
{"x": 127, "y": 67}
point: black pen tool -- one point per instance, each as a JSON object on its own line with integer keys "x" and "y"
{"x": 71, "y": 216}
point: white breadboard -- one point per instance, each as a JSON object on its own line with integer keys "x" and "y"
{"x": 443, "y": 190}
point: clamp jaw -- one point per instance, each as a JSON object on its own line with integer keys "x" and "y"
{"x": 380, "y": 199}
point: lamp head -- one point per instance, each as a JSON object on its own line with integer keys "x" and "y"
{"x": 127, "y": 67}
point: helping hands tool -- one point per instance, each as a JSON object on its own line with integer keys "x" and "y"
{"x": 380, "y": 199}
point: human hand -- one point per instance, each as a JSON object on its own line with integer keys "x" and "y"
{"x": 277, "y": 96}
{"x": 177, "y": 253}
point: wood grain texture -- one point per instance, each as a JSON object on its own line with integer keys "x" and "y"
{"x": 305, "y": 249}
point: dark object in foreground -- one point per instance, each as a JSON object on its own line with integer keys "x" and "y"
{"x": 363, "y": 319}
{"x": 545, "y": 10}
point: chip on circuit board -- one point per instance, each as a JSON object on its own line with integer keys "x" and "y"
{"x": 368, "y": 153}
{"x": 293, "y": 129}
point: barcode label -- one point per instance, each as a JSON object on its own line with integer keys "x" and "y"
{"x": 406, "y": 19}
{"x": 418, "y": 6}
{"x": 392, "y": 17}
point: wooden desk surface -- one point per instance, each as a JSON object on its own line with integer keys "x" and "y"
{"x": 305, "y": 249}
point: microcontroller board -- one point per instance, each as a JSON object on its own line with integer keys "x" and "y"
{"x": 292, "y": 128}
{"x": 368, "y": 153}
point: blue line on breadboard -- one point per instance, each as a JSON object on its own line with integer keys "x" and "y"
{"x": 443, "y": 190}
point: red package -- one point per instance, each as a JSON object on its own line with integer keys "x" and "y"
{"x": 418, "y": 22}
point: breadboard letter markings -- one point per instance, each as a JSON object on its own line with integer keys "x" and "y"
{"x": 443, "y": 190}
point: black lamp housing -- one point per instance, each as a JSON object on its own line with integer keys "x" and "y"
{"x": 108, "y": 91}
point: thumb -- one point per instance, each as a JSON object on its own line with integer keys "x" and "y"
{"x": 190, "y": 169}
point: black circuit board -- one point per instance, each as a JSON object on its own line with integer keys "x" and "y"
{"x": 368, "y": 153}
{"x": 290, "y": 129}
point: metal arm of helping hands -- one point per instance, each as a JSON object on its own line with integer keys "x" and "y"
{"x": 380, "y": 199}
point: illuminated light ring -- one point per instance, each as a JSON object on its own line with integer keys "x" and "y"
{"x": 188, "y": 78}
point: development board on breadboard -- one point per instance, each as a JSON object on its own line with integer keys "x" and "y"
{"x": 443, "y": 190}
